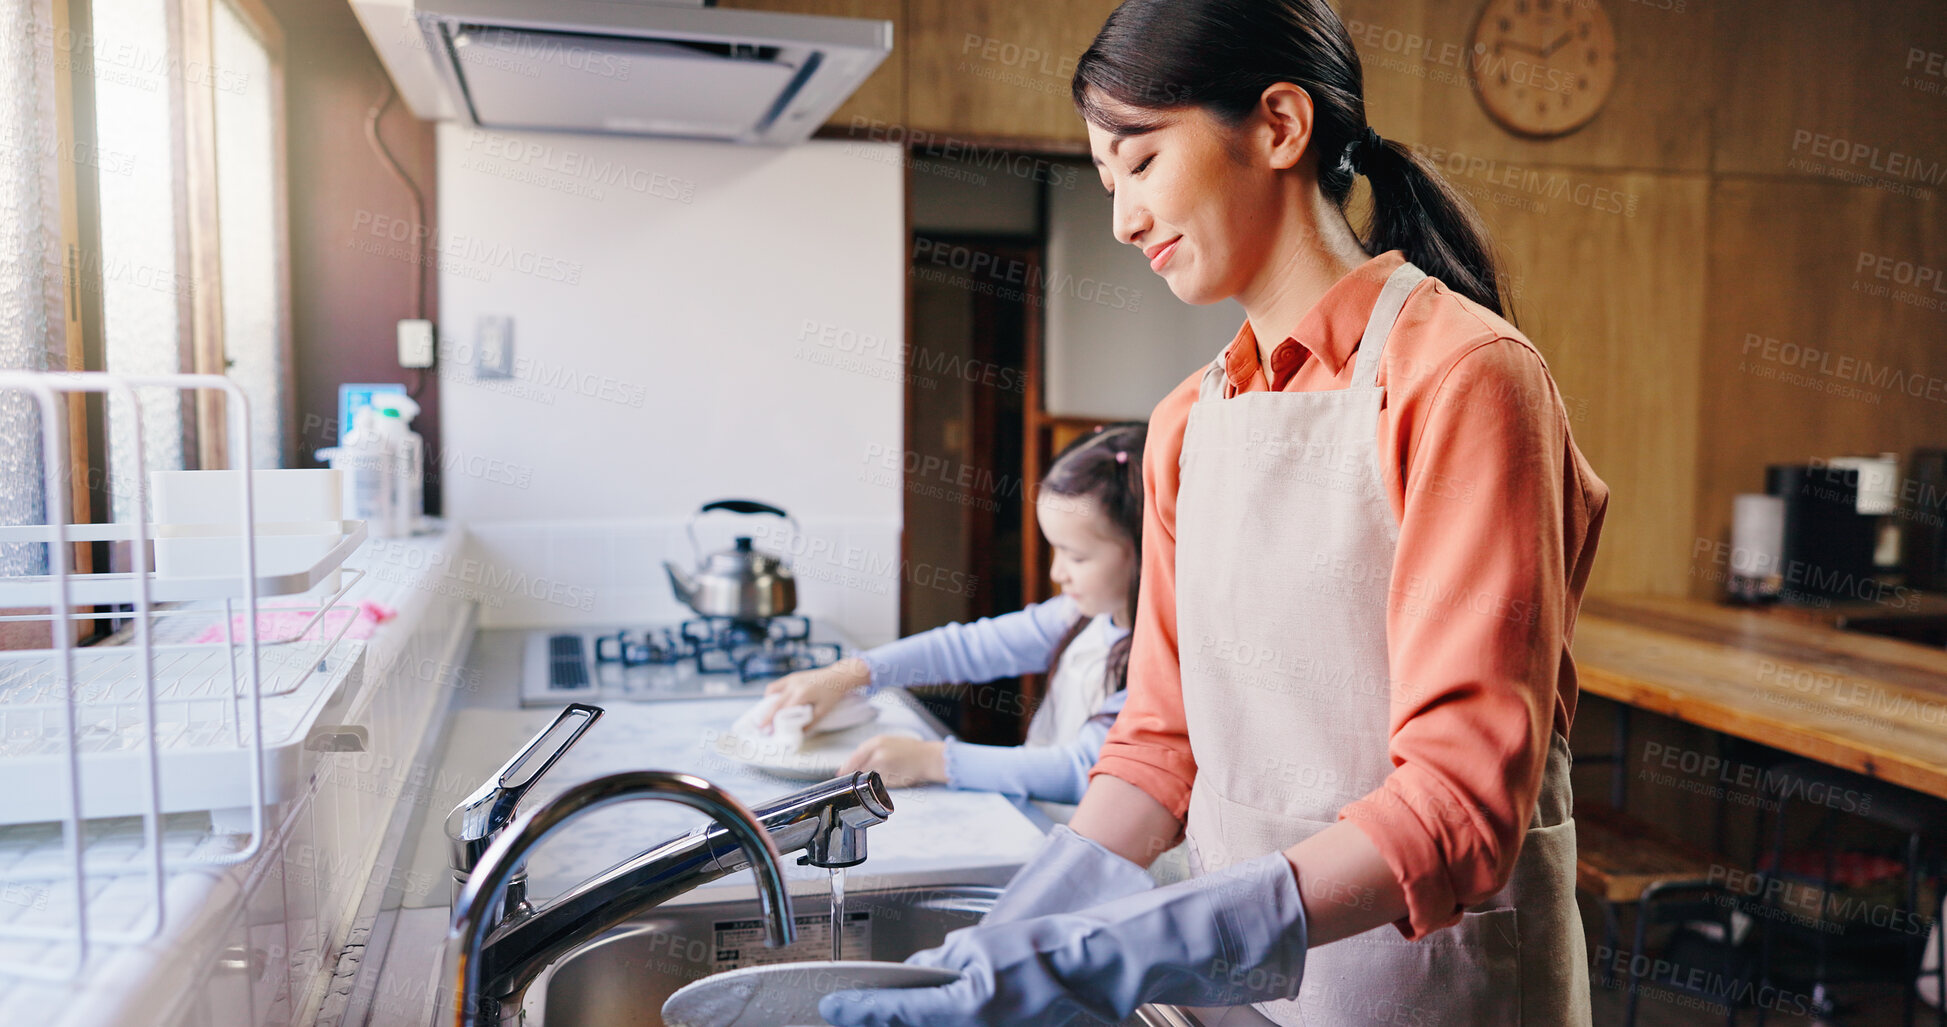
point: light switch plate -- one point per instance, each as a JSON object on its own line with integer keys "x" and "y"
{"x": 496, "y": 347}
{"x": 415, "y": 343}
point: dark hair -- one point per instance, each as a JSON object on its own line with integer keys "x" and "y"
{"x": 1106, "y": 466}
{"x": 1221, "y": 55}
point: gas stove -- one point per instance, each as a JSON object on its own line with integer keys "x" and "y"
{"x": 698, "y": 658}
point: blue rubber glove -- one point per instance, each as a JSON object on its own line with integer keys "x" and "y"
{"x": 1070, "y": 872}
{"x": 1224, "y": 939}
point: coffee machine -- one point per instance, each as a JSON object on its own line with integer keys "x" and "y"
{"x": 1827, "y": 543}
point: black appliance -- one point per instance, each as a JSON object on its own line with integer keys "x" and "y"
{"x": 1828, "y": 543}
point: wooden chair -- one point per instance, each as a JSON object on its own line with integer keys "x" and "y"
{"x": 1622, "y": 860}
{"x": 1921, "y": 819}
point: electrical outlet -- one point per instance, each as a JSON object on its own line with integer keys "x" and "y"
{"x": 496, "y": 347}
{"x": 415, "y": 343}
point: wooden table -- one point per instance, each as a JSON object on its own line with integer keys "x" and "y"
{"x": 1868, "y": 704}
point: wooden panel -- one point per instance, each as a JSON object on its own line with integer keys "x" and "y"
{"x": 882, "y": 98}
{"x": 1804, "y": 357}
{"x": 1395, "y": 83}
{"x": 1615, "y": 304}
{"x": 1851, "y": 701}
{"x": 1914, "y": 671}
{"x": 999, "y": 68}
{"x": 1835, "y": 710}
{"x": 1869, "y": 72}
{"x": 202, "y": 217}
{"x": 1658, "y": 117}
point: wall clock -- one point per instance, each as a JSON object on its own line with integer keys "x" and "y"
{"x": 1543, "y": 68}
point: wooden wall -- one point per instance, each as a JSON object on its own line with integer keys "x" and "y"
{"x": 1703, "y": 219}
{"x": 1647, "y": 316}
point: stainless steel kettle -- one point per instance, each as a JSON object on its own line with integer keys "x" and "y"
{"x": 744, "y": 583}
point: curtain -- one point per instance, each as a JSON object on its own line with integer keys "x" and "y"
{"x": 32, "y": 330}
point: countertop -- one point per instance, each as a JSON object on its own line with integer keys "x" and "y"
{"x": 979, "y": 836}
{"x": 199, "y": 898}
{"x": 1873, "y": 705}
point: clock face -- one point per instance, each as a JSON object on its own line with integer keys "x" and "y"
{"x": 1543, "y": 67}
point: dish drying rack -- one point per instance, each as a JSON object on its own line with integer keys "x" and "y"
{"x": 91, "y": 738}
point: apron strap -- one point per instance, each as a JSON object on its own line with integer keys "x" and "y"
{"x": 1371, "y": 347}
{"x": 1384, "y": 313}
{"x": 1211, "y": 388}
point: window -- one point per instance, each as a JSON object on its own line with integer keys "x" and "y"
{"x": 32, "y": 262}
{"x": 188, "y": 126}
{"x": 249, "y": 161}
{"x": 143, "y": 289}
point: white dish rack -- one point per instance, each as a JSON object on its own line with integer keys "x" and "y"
{"x": 92, "y": 738}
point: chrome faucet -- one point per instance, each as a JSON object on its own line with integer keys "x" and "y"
{"x": 497, "y": 946}
{"x": 478, "y": 820}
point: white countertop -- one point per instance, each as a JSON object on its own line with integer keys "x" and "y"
{"x": 121, "y": 977}
{"x": 935, "y": 833}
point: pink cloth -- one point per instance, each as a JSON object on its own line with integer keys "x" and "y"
{"x": 281, "y": 622}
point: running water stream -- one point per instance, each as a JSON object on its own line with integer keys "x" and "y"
{"x": 838, "y": 912}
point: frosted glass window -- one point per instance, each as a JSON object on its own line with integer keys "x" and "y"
{"x": 246, "y": 183}
{"x": 30, "y": 261}
{"x": 142, "y": 291}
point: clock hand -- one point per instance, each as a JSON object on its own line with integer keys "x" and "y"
{"x": 1558, "y": 44}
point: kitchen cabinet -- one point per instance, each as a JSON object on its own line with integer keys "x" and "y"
{"x": 999, "y": 69}
{"x": 996, "y": 71}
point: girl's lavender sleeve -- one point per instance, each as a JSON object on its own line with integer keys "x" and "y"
{"x": 991, "y": 647}
{"x": 1056, "y": 773}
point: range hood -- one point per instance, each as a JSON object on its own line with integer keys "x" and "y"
{"x": 629, "y": 67}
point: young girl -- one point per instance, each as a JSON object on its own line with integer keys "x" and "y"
{"x": 1090, "y": 509}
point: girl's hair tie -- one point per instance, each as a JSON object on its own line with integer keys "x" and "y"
{"x": 1122, "y": 456}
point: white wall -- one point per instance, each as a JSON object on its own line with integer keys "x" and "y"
{"x": 1117, "y": 340}
{"x": 660, "y": 293}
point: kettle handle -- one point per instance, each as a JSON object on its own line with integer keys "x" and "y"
{"x": 741, "y": 506}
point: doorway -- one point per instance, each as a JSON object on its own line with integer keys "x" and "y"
{"x": 967, "y": 495}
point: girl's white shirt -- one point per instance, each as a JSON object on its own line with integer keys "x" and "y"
{"x": 1078, "y": 686}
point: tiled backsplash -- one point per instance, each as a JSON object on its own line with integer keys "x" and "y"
{"x": 543, "y": 574}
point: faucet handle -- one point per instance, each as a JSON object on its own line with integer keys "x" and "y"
{"x": 841, "y": 810}
{"x": 472, "y": 825}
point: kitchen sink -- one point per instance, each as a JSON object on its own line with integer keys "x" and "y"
{"x": 622, "y": 978}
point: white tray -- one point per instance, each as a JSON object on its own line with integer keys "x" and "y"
{"x": 112, "y": 589}
{"x": 204, "y": 765}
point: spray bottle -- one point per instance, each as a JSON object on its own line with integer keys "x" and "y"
{"x": 408, "y": 451}
{"x": 366, "y": 461}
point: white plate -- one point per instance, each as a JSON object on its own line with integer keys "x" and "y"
{"x": 787, "y": 994}
{"x": 816, "y": 759}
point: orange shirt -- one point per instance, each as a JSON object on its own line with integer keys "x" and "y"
{"x": 1498, "y": 517}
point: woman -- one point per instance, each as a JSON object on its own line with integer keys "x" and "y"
{"x": 1367, "y": 535}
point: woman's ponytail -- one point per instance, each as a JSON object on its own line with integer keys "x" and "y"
{"x": 1220, "y": 55}
{"x": 1416, "y": 211}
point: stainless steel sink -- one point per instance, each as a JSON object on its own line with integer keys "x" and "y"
{"x": 622, "y": 978}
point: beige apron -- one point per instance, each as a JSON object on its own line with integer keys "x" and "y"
{"x": 1284, "y": 556}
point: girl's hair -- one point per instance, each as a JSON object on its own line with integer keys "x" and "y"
{"x": 1105, "y": 466}
{"x": 1220, "y": 55}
